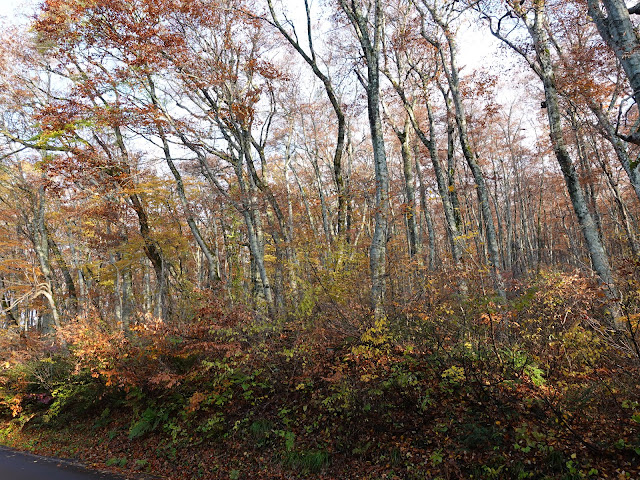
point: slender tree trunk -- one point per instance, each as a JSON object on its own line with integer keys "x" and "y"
{"x": 624, "y": 211}
{"x": 80, "y": 278}
{"x": 620, "y": 34}
{"x": 305, "y": 201}
{"x": 66, "y": 274}
{"x": 254, "y": 231}
{"x": 212, "y": 261}
{"x": 371, "y": 48}
{"x": 632, "y": 169}
{"x": 292, "y": 259}
{"x": 409, "y": 189}
{"x": 40, "y": 239}
{"x": 591, "y": 193}
{"x": 445, "y": 190}
{"x": 324, "y": 208}
{"x": 451, "y": 71}
{"x": 599, "y": 259}
{"x": 431, "y": 231}
{"x": 151, "y": 248}
{"x": 311, "y": 59}
{"x": 510, "y": 219}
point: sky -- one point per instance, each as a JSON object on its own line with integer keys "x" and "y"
{"x": 477, "y": 48}
{"x": 17, "y": 11}
{"x": 14, "y": 10}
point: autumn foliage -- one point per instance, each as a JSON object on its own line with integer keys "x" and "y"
{"x": 239, "y": 240}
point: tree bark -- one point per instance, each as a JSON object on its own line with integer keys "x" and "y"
{"x": 587, "y": 224}
{"x": 620, "y": 35}
{"x": 212, "y": 262}
{"x": 40, "y": 239}
{"x": 451, "y": 71}
{"x": 371, "y": 48}
{"x": 409, "y": 189}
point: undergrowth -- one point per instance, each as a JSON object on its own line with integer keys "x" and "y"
{"x": 441, "y": 388}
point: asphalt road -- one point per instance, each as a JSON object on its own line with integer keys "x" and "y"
{"x": 21, "y": 466}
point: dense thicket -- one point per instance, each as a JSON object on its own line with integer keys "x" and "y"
{"x": 340, "y": 185}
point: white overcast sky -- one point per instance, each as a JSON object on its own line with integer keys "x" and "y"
{"x": 14, "y": 11}
{"x": 477, "y": 48}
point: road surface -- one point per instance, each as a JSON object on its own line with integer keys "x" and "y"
{"x": 21, "y": 466}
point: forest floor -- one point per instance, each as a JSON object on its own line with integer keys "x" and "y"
{"x": 236, "y": 399}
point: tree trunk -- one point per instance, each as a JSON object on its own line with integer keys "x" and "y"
{"x": 431, "y": 231}
{"x": 620, "y": 35}
{"x": 151, "y": 248}
{"x": 632, "y": 169}
{"x": 409, "y": 189}
{"x": 311, "y": 59}
{"x": 587, "y": 224}
{"x": 451, "y": 72}
{"x": 371, "y": 48}
{"x": 212, "y": 262}
{"x": 40, "y": 241}
{"x": 66, "y": 274}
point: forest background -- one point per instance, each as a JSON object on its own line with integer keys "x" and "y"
{"x": 235, "y": 245}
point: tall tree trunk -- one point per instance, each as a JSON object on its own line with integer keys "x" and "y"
{"x": 456, "y": 240}
{"x": 40, "y": 239}
{"x": 451, "y": 71}
{"x": 292, "y": 259}
{"x": 371, "y": 48}
{"x": 624, "y": 211}
{"x": 305, "y": 201}
{"x": 253, "y": 223}
{"x": 404, "y": 136}
{"x": 212, "y": 261}
{"x": 431, "y": 231}
{"x": 66, "y": 274}
{"x": 151, "y": 248}
{"x": 80, "y": 277}
{"x": 311, "y": 59}
{"x": 599, "y": 259}
{"x": 631, "y": 168}
{"x": 324, "y": 208}
{"x": 620, "y": 35}
{"x": 591, "y": 193}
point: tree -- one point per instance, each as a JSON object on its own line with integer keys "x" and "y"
{"x": 535, "y": 20}
{"x": 448, "y": 57}
{"x": 615, "y": 25}
{"x": 367, "y": 20}
{"x": 311, "y": 58}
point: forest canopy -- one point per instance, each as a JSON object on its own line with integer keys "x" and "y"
{"x": 215, "y": 197}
